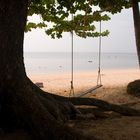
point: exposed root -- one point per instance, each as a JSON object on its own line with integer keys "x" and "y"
{"x": 43, "y": 117}
{"x": 96, "y": 102}
{"x": 96, "y": 113}
{"x": 54, "y": 109}
{"x": 61, "y": 110}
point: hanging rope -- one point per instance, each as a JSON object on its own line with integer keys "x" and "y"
{"x": 99, "y": 78}
{"x": 72, "y": 66}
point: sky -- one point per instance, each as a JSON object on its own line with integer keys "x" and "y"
{"x": 120, "y": 40}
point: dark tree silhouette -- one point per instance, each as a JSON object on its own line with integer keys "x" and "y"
{"x": 23, "y": 104}
{"x": 18, "y": 101}
{"x": 136, "y": 17}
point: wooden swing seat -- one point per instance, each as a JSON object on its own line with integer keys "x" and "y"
{"x": 89, "y": 91}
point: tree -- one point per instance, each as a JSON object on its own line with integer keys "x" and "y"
{"x": 23, "y": 104}
{"x": 85, "y": 14}
{"x": 136, "y": 16}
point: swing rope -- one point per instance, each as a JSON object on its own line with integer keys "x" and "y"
{"x": 99, "y": 78}
{"x": 72, "y": 65}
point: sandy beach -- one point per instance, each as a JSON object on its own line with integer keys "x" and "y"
{"x": 59, "y": 83}
{"x": 113, "y": 90}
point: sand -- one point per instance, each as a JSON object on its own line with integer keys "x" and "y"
{"x": 59, "y": 83}
{"x": 113, "y": 90}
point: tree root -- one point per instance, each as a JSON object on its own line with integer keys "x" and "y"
{"x": 96, "y": 113}
{"x": 63, "y": 110}
{"x": 92, "y": 102}
{"x": 47, "y": 113}
{"x": 95, "y": 102}
{"x": 43, "y": 117}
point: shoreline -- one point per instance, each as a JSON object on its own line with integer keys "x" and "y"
{"x": 59, "y": 82}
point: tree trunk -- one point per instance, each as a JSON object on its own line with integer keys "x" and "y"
{"x": 12, "y": 23}
{"x": 136, "y": 17}
{"x": 18, "y": 101}
{"x": 20, "y": 105}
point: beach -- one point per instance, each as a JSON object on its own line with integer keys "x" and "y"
{"x": 59, "y": 83}
{"x": 113, "y": 90}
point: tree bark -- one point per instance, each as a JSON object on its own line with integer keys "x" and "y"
{"x": 136, "y": 17}
{"x": 12, "y": 23}
{"x": 19, "y": 103}
{"x": 96, "y": 102}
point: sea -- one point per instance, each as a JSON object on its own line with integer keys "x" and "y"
{"x": 53, "y": 62}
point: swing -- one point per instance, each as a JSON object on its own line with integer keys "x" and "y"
{"x": 99, "y": 80}
{"x": 72, "y": 72}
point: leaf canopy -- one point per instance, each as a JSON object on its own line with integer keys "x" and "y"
{"x": 77, "y": 16}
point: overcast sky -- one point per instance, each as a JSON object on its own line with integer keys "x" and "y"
{"x": 121, "y": 38}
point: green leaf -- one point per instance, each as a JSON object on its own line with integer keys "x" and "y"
{"x": 85, "y": 14}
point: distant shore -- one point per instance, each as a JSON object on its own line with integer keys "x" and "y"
{"x": 60, "y": 82}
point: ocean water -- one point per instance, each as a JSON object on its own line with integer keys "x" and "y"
{"x": 53, "y": 62}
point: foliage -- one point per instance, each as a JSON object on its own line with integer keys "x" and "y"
{"x": 79, "y": 16}
{"x": 32, "y": 25}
